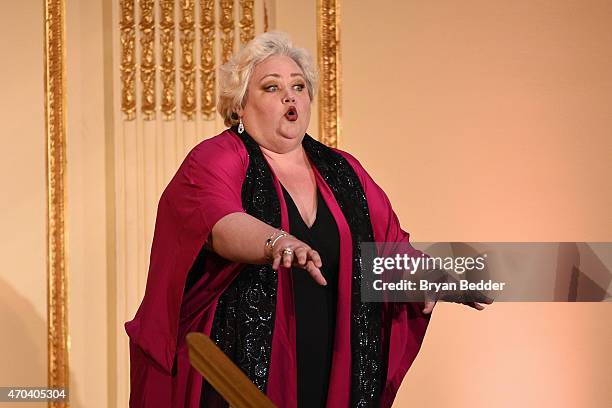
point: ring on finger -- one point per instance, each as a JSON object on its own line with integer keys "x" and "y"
{"x": 287, "y": 251}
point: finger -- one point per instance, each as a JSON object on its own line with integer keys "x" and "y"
{"x": 429, "y": 305}
{"x": 316, "y": 259}
{"x": 477, "y": 306}
{"x": 315, "y": 273}
{"x": 276, "y": 261}
{"x": 287, "y": 260}
{"x": 301, "y": 256}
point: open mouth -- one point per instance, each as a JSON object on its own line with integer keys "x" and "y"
{"x": 291, "y": 114}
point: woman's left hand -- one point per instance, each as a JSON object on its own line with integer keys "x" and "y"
{"x": 290, "y": 251}
{"x": 429, "y": 306}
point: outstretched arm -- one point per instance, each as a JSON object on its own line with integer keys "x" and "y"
{"x": 241, "y": 237}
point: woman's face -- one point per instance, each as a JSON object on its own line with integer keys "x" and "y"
{"x": 277, "y": 109}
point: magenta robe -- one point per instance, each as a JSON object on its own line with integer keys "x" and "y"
{"x": 207, "y": 187}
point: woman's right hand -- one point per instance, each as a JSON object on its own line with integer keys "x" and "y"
{"x": 289, "y": 251}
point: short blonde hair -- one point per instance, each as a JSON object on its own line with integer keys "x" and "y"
{"x": 234, "y": 76}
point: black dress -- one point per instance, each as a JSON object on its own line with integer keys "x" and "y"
{"x": 315, "y": 305}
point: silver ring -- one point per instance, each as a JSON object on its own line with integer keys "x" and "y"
{"x": 287, "y": 251}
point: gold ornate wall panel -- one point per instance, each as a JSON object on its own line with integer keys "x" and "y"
{"x": 247, "y": 26}
{"x": 329, "y": 66}
{"x": 167, "y": 74}
{"x": 226, "y": 24}
{"x": 154, "y": 52}
{"x": 127, "y": 27}
{"x": 147, "y": 57}
{"x": 188, "y": 71}
{"x": 199, "y": 90}
{"x": 207, "y": 58}
{"x": 55, "y": 123}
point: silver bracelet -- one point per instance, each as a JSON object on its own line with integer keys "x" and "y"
{"x": 270, "y": 242}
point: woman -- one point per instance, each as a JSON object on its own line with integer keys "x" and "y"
{"x": 257, "y": 244}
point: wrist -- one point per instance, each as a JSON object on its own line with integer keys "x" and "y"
{"x": 272, "y": 241}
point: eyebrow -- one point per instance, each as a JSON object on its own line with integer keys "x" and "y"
{"x": 294, "y": 74}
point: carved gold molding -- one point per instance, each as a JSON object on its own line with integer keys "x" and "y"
{"x": 128, "y": 59}
{"x": 147, "y": 60}
{"x": 188, "y": 79}
{"x": 55, "y": 127}
{"x": 207, "y": 58}
{"x": 167, "y": 73}
{"x": 328, "y": 33}
{"x": 328, "y": 40}
{"x": 266, "y": 17}
{"x": 247, "y": 22}
{"x": 226, "y": 24}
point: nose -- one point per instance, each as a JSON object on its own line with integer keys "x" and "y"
{"x": 289, "y": 98}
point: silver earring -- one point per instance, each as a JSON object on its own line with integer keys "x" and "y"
{"x": 240, "y": 127}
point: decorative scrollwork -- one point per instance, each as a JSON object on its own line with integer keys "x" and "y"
{"x": 187, "y": 29}
{"x": 167, "y": 72}
{"x": 227, "y": 27}
{"x": 329, "y": 66}
{"x": 128, "y": 59}
{"x": 147, "y": 60}
{"x": 247, "y": 22}
{"x": 55, "y": 124}
{"x": 207, "y": 58}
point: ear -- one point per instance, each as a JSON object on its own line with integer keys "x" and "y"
{"x": 237, "y": 114}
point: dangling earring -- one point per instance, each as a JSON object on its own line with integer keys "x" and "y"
{"x": 240, "y": 127}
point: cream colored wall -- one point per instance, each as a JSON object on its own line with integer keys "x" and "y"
{"x": 23, "y": 250}
{"x": 88, "y": 219}
{"x": 488, "y": 121}
{"x": 23, "y": 211}
{"x": 492, "y": 119}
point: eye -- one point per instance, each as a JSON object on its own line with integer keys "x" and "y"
{"x": 299, "y": 87}
{"x": 271, "y": 88}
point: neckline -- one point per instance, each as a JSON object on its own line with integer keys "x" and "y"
{"x": 289, "y": 198}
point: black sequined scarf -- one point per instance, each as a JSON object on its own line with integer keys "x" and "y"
{"x": 244, "y": 319}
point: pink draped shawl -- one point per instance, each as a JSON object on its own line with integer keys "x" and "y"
{"x": 207, "y": 187}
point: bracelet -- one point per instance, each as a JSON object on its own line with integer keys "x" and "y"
{"x": 270, "y": 242}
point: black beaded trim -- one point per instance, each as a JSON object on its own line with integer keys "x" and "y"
{"x": 244, "y": 319}
{"x": 366, "y": 318}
